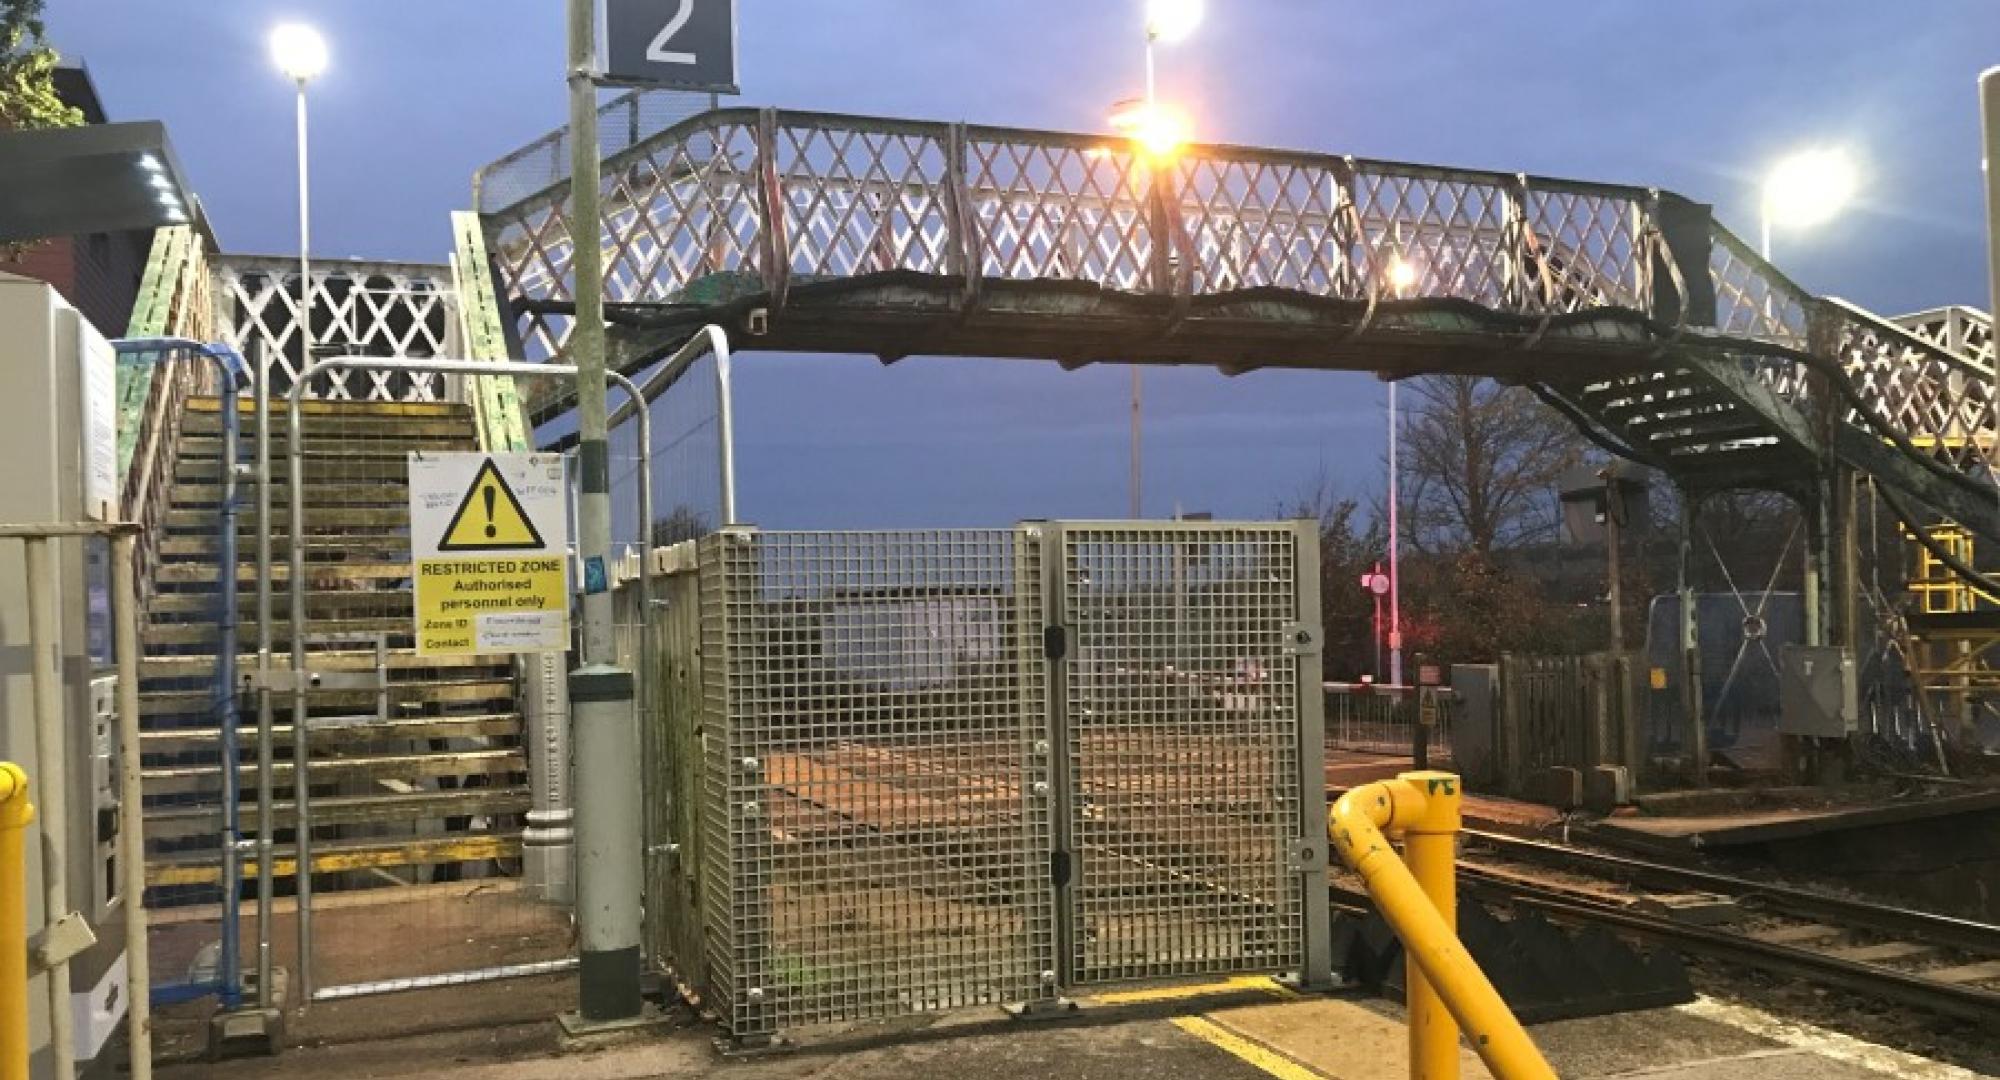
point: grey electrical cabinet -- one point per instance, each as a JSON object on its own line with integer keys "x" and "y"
{"x": 1817, "y": 691}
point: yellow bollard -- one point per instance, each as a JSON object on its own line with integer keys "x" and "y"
{"x": 16, "y": 813}
{"x": 1430, "y": 849}
{"x": 1425, "y": 806}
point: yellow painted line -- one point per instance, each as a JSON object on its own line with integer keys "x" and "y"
{"x": 1186, "y": 991}
{"x": 1243, "y": 1049}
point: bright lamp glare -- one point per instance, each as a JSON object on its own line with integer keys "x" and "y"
{"x": 1172, "y": 20}
{"x": 1809, "y": 187}
{"x": 299, "y": 51}
{"x": 1158, "y": 128}
{"x": 1402, "y": 273}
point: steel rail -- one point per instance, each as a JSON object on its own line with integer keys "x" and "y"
{"x": 1944, "y": 930}
{"x": 1965, "y": 1002}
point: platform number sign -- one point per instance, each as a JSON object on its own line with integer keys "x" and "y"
{"x": 682, "y": 44}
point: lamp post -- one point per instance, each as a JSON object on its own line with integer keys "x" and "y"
{"x": 1403, "y": 275}
{"x": 300, "y": 53}
{"x": 1168, "y": 21}
{"x": 1803, "y": 190}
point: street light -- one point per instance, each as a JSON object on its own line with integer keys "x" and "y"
{"x": 1806, "y": 189}
{"x": 300, "y": 53}
{"x": 1160, "y": 131}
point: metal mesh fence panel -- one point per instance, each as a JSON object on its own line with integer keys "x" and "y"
{"x": 877, "y": 789}
{"x": 623, "y": 121}
{"x": 1183, "y": 721}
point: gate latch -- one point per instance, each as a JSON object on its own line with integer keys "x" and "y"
{"x": 1303, "y": 639}
{"x": 1308, "y": 853}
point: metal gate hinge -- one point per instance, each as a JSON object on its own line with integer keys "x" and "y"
{"x": 1307, "y": 853}
{"x": 1303, "y": 639}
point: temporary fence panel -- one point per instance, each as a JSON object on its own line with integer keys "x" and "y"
{"x": 1192, "y": 811}
{"x": 417, "y": 766}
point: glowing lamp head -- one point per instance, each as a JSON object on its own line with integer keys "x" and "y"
{"x": 1172, "y": 20}
{"x": 1160, "y": 130}
{"x": 1402, "y": 274}
{"x": 299, "y": 51}
{"x": 1810, "y": 187}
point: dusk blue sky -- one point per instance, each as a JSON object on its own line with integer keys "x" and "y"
{"x": 1698, "y": 96}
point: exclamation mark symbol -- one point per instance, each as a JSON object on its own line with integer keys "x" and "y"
{"x": 491, "y": 529}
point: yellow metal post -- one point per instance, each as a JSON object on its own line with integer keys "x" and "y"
{"x": 16, "y": 813}
{"x": 1430, "y": 850}
{"x": 1417, "y": 804}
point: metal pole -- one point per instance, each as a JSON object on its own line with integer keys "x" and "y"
{"x": 52, "y": 751}
{"x": 1613, "y": 569}
{"x": 301, "y": 751}
{"x": 1690, "y": 642}
{"x": 606, "y": 743}
{"x": 1989, "y": 114}
{"x": 1135, "y": 482}
{"x": 1395, "y": 560}
{"x": 266, "y": 752}
{"x": 305, "y": 239}
{"x": 725, "y": 422}
{"x": 131, "y": 838}
{"x": 229, "y": 973}
{"x": 586, "y": 343}
{"x": 1138, "y": 448}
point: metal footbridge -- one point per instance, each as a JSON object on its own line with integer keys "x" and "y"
{"x": 1659, "y": 332}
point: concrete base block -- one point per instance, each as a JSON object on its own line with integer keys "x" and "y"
{"x": 250, "y": 1030}
{"x": 1559, "y": 787}
{"x": 1606, "y": 788}
{"x": 574, "y": 1033}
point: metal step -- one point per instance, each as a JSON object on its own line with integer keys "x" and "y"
{"x": 322, "y": 734}
{"x": 189, "y": 822}
{"x": 176, "y": 635}
{"x": 321, "y": 407}
{"x": 340, "y": 856}
{"x": 322, "y": 469}
{"x": 320, "y": 603}
{"x": 397, "y": 661}
{"x": 437, "y": 693}
{"x": 363, "y": 576}
{"x": 379, "y": 545}
{"x": 189, "y": 779}
{"x": 186, "y": 496}
{"x": 209, "y": 447}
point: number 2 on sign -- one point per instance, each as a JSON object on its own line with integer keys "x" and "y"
{"x": 658, "y": 51}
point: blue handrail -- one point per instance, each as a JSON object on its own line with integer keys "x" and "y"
{"x": 227, "y": 985}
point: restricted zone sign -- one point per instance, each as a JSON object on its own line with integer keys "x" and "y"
{"x": 490, "y": 537}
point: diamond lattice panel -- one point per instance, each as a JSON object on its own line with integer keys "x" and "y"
{"x": 358, "y": 309}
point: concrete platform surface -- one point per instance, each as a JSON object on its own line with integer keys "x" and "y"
{"x": 1239, "y": 1030}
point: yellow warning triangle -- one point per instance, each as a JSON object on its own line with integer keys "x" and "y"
{"x": 490, "y": 518}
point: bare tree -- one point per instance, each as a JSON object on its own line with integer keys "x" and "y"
{"x": 1480, "y": 465}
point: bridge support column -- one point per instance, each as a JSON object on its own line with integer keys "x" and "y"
{"x": 1696, "y": 727}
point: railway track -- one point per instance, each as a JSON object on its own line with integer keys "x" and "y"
{"x": 1946, "y": 965}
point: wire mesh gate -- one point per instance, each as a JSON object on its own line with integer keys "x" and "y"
{"x": 958, "y": 768}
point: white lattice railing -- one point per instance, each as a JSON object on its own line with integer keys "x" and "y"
{"x": 737, "y": 203}
{"x": 358, "y": 309}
